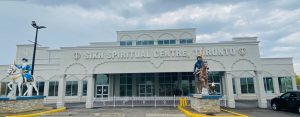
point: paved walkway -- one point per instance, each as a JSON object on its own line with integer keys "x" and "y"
{"x": 245, "y": 107}
{"x": 123, "y": 112}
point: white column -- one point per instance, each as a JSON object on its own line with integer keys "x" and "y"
{"x": 294, "y": 82}
{"x": 229, "y": 90}
{"x": 276, "y": 85}
{"x": 238, "y": 87}
{"x": 46, "y": 88}
{"x": 61, "y": 91}
{"x": 80, "y": 83}
{"x": 90, "y": 92}
{"x": 262, "y": 100}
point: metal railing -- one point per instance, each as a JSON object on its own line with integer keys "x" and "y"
{"x": 143, "y": 101}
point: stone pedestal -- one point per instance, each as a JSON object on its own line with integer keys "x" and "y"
{"x": 21, "y": 104}
{"x": 206, "y": 104}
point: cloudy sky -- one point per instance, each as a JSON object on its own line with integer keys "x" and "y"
{"x": 78, "y": 22}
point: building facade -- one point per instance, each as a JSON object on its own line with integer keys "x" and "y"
{"x": 147, "y": 63}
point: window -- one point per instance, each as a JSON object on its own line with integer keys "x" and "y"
{"x": 233, "y": 86}
{"x": 53, "y": 88}
{"x": 168, "y": 84}
{"x": 4, "y": 89}
{"x": 145, "y": 42}
{"x": 166, "y": 42}
{"x": 286, "y": 95}
{"x": 216, "y": 77}
{"x": 160, "y": 42}
{"x": 268, "y": 84}
{"x": 40, "y": 86}
{"x": 247, "y": 85}
{"x": 188, "y": 83}
{"x": 185, "y": 41}
{"x": 71, "y": 88}
{"x": 189, "y": 41}
{"x": 293, "y": 95}
{"x": 102, "y": 79}
{"x": 84, "y": 88}
{"x": 172, "y": 42}
{"x": 126, "y": 85}
{"x": 126, "y": 43}
{"x": 285, "y": 84}
{"x": 145, "y": 84}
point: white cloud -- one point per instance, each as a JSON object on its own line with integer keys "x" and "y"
{"x": 136, "y": 4}
{"x": 279, "y": 18}
{"x": 88, "y": 14}
{"x": 193, "y": 13}
{"x": 283, "y": 49}
{"x": 241, "y": 22}
{"x": 297, "y": 67}
{"x": 215, "y": 21}
{"x": 292, "y": 39}
{"x": 214, "y": 37}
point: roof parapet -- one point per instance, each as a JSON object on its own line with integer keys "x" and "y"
{"x": 244, "y": 39}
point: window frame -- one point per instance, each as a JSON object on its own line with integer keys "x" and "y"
{"x": 144, "y": 42}
{"x": 166, "y": 42}
{"x": 72, "y": 83}
{"x": 185, "y": 41}
{"x": 285, "y": 87}
{"x": 55, "y": 88}
{"x": 126, "y": 84}
{"x": 38, "y": 87}
{"x": 247, "y": 85}
{"x": 126, "y": 43}
{"x": 267, "y": 86}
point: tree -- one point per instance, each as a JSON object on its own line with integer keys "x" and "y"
{"x": 298, "y": 80}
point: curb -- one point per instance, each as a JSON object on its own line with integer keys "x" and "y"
{"x": 40, "y": 113}
{"x": 190, "y": 114}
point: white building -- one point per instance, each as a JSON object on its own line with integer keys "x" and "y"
{"x": 155, "y": 63}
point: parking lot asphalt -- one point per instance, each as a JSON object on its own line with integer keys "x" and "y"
{"x": 244, "y": 107}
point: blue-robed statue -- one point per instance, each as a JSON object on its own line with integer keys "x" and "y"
{"x": 198, "y": 64}
{"x": 197, "y": 67}
{"x": 26, "y": 69}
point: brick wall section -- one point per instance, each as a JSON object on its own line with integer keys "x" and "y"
{"x": 205, "y": 105}
{"x": 16, "y": 106}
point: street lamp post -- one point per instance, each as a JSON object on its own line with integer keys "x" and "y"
{"x": 35, "y": 42}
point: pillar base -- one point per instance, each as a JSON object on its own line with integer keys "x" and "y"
{"x": 230, "y": 103}
{"x": 60, "y": 104}
{"x": 262, "y": 103}
{"x": 89, "y": 104}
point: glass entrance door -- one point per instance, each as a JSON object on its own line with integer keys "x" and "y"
{"x": 102, "y": 91}
{"x": 101, "y": 85}
{"x": 145, "y": 84}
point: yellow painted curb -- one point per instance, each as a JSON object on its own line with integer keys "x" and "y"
{"x": 40, "y": 113}
{"x": 190, "y": 114}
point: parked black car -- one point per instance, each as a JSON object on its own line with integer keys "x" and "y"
{"x": 289, "y": 100}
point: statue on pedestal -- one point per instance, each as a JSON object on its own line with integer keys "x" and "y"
{"x": 20, "y": 74}
{"x": 201, "y": 75}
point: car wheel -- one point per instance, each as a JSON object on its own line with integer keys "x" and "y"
{"x": 299, "y": 109}
{"x": 275, "y": 107}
